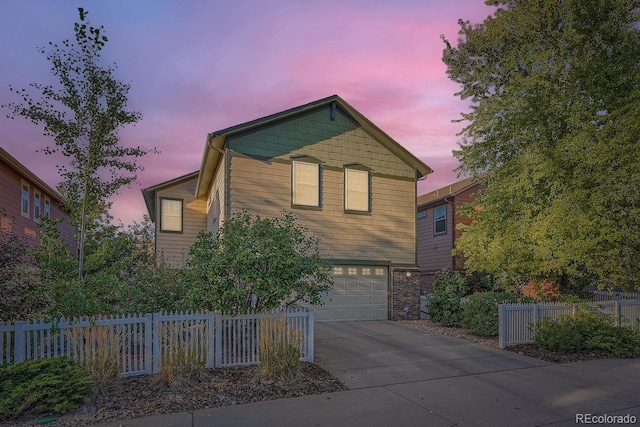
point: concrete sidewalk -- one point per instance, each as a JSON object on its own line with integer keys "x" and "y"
{"x": 398, "y": 374}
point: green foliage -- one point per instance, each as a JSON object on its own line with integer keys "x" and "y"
{"x": 449, "y": 288}
{"x": 553, "y": 136}
{"x": 279, "y": 348}
{"x": 40, "y": 386}
{"x": 588, "y": 329}
{"x": 480, "y": 311}
{"x": 256, "y": 264}
{"x": 83, "y": 115}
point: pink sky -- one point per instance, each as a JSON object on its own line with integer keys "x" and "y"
{"x": 199, "y": 66}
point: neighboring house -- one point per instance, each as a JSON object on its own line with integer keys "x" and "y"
{"x": 342, "y": 176}
{"x": 438, "y": 218}
{"x": 24, "y": 199}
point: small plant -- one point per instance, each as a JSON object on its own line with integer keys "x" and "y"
{"x": 449, "y": 288}
{"x": 559, "y": 335}
{"x": 181, "y": 361}
{"x": 42, "y": 386}
{"x": 480, "y": 311}
{"x": 279, "y": 348}
{"x": 99, "y": 350}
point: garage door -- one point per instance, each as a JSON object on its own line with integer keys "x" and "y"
{"x": 359, "y": 293}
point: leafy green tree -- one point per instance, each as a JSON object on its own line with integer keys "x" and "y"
{"x": 256, "y": 264}
{"x": 552, "y": 132}
{"x": 83, "y": 115}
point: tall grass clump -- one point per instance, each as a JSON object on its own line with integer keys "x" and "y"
{"x": 98, "y": 348}
{"x": 279, "y": 348}
{"x": 183, "y": 357}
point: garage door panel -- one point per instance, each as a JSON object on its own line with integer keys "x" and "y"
{"x": 359, "y": 293}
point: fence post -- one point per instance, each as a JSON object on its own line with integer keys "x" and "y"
{"x": 155, "y": 340}
{"x": 310, "y": 335}
{"x": 211, "y": 340}
{"x": 19, "y": 342}
{"x": 218, "y": 324}
{"x": 616, "y": 312}
{"x": 148, "y": 343}
{"x": 502, "y": 322}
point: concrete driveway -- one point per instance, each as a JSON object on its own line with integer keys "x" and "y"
{"x": 401, "y": 375}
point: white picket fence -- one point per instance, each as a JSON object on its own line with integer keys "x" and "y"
{"x": 142, "y": 340}
{"x": 515, "y": 320}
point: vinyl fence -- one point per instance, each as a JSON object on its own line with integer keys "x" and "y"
{"x": 515, "y": 319}
{"x": 142, "y": 341}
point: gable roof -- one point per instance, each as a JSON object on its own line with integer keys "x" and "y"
{"x": 216, "y": 141}
{"x": 446, "y": 191}
{"x": 23, "y": 171}
{"x": 149, "y": 193}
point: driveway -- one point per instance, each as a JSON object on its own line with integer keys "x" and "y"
{"x": 401, "y": 375}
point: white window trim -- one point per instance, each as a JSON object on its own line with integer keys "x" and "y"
{"x": 26, "y": 214}
{"x": 37, "y": 207}
{"x": 171, "y": 228}
{"x": 46, "y": 212}
{"x": 312, "y": 199}
{"x": 354, "y": 207}
{"x": 436, "y": 219}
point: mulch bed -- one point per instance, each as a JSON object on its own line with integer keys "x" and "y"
{"x": 532, "y": 350}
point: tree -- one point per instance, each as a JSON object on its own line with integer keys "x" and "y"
{"x": 256, "y": 264}
{"x": 83, "y": 115}
{"x": 553, "y": 133}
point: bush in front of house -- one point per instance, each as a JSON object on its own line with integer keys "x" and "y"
{"x": 480, "y": 311}
{"x": 449, "y": 287}
{"x": 588, "y": 329}
{"x": 42, "y": 386}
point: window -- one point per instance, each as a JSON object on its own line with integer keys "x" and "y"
{"x": 356, "y": 190}
{"x": 47, "y": 208}
{"x": 440, "y": 219}
{"x": 306, "y": 184}
{"x": 171, "y": 215}
{"x": 24, "y": 209}
{"x": 36, "y": 205}
{"x": 422, "y": 214}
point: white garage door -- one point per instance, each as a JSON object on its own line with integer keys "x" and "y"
{"x": 359, "y": 293}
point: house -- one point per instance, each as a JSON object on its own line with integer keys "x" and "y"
{"x": 341, "y": 175}
{"x": 438, "y": 218}
{"x": 24, "y": 199}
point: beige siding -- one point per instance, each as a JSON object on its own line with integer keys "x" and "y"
{"x": 388, "y": 234}
{"x": 216, "y": 199}
{"x": 434, "y": 252}
{"x": 173, "y": 247}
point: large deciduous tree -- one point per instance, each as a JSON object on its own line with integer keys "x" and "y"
{"x": 83, "y": 114}
{"x": 553, "y": 131}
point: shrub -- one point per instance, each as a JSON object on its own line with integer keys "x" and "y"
{"x": 589, "y": 330}
{"x": 40, "y": 386}
{"x": 449, "y": 287}
{"x": 279, "y": 348}
{"x": 480, "y": 311}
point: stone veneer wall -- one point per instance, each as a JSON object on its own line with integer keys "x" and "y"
{"x": 405, "y": 293}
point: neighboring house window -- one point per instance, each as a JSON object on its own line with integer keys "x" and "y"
{"x": 422, "y": 214}
{"x": 171, "y": 215}
{"x": 440, "y": 219}
{"x": 36, "y": 205}
{"x": 47, "y": 208}
{"x": 24, "y": 209}
{"x": 306, "y": 184}
{"x": 356, "y": 190}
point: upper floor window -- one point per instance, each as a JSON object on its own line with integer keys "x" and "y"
{"x": 422, "y": 214}
{"x": 356, "y": 190}
{"x": 47, "y": 208}
{"x": 440, "y": 219}
{"x": 24, "y": 208}
{"x": 36, "y": 205}
{"x": 306, "y": 184}
{"x": 171, "y": 215}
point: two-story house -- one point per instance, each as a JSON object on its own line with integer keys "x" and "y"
{"x": 24, "y": 199}
{"x": 341, "y": 175}
{"x": 438, "y": 218}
